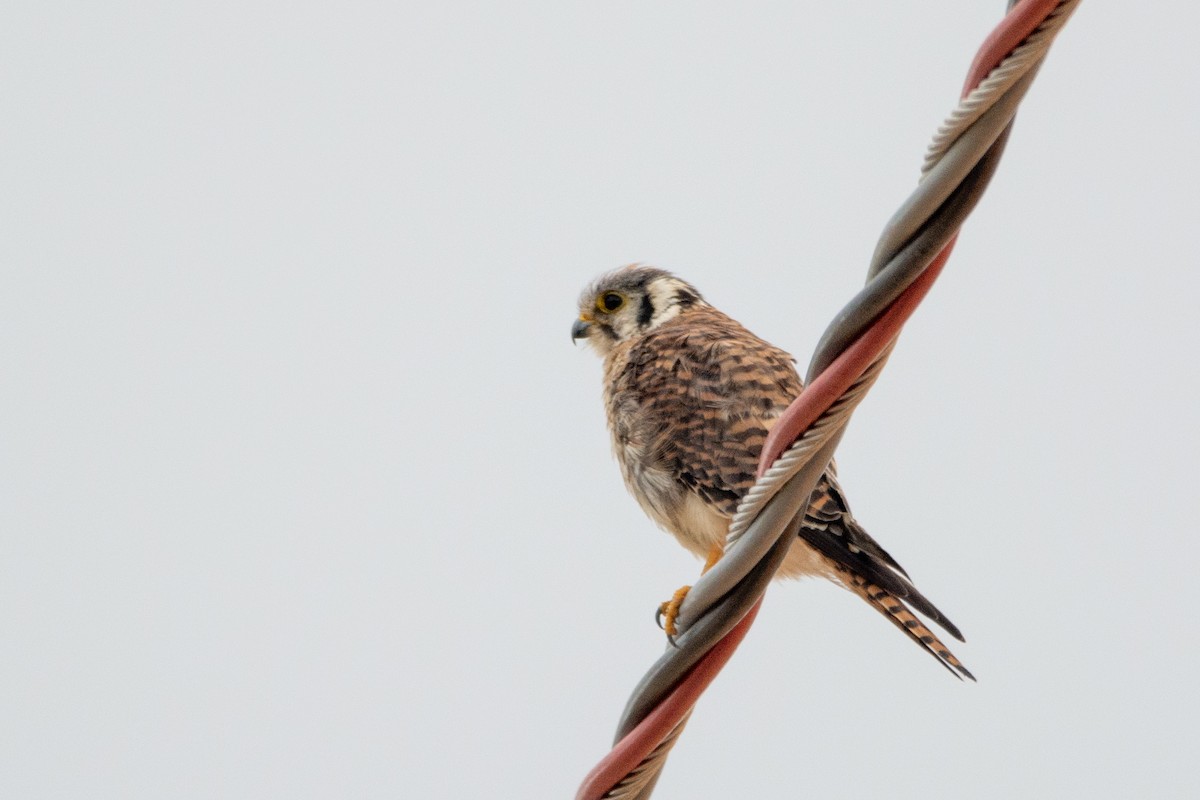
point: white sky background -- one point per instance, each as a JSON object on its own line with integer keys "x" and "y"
{"x": 305, "y": 493}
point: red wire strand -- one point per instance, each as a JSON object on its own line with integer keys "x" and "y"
{"x": 1016, "y": 26}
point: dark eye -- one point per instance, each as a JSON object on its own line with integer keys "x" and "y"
{"x": 609, "y": 302}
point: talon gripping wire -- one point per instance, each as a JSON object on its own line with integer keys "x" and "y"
{"x": 913, "y": 248}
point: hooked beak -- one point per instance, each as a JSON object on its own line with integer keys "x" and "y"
{"x": 580, "y": 329}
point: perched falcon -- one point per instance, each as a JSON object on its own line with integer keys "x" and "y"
{"x": 690, "y": 395}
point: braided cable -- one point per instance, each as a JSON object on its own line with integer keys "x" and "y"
{"x": 913, "y": 248}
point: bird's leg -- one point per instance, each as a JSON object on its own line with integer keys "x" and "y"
{"x": 668, "y": 611}
{"x": 714, "y": 555}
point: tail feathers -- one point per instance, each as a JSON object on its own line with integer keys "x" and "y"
{"x": 905, "y": 620}
{"x": 922, "y": 604}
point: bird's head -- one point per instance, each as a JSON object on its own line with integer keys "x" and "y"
{"x": 629, "y": 302}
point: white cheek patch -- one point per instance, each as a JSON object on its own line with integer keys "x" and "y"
{"x": 664, "y": 296}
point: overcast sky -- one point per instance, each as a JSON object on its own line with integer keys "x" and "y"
{"x": 304, "y": 492}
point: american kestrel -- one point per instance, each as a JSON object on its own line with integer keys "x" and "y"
{"x": 690, "y": 396}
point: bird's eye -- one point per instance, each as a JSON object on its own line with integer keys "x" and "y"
{"x": 609, "y": 302}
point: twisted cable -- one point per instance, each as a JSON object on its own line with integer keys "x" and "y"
{"x": 913, "y": 248}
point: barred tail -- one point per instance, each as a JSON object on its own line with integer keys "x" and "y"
{"x": 905, "y": 620}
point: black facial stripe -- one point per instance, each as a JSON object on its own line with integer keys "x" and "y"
{"x": 645, "y": 312}
{"x": 685, "y": 299}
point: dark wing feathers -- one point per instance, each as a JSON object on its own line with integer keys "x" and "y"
{"x": 828, "y": 506}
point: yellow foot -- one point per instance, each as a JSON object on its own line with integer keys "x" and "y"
{"x": 668, "y": 611}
